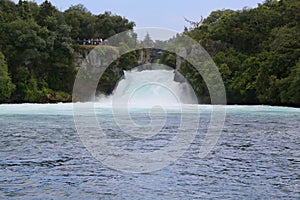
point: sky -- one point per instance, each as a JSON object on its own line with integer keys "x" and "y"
{"x": 168, "y": 14}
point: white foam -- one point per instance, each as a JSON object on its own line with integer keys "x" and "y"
{"x": 150, "y": 88}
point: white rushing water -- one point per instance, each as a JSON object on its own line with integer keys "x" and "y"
{"x": 149, "y": 88}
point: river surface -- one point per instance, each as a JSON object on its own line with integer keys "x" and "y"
{"x": 256, "y": 157}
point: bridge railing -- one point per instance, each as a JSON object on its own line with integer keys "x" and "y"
{"x": 95, "y": 42}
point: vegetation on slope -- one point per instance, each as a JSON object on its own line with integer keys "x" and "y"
{"x": 256, "y": 50}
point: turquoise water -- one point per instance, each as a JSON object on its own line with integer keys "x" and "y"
{"x": 256, "y": 157}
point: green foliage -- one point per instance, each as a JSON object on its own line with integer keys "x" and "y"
{"x": 6, "y": 86}
{"x": 107, "y": 25}
{"x": 257, "y": 52}
{"x": 86, "y": 25}
{"x": 24, "y": 10}
{"x": 148, "y": 42}
{"x": 289, "y": 86}
{"x": 81, "y": 21}
{"x": 38, "y": 45}
{"x": 168, "y": 59}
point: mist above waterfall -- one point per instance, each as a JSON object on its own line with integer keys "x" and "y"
{"x": 150, "y": 88}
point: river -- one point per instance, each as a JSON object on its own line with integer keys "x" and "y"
{"x": 256, "y": 157}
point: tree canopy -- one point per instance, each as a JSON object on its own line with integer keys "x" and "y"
{"x": 37, "y": 48}
{"x": 257, "y": 51}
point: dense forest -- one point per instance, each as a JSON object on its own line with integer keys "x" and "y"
{"x": 38, "y": 45}
{"x": 256, "y": 50}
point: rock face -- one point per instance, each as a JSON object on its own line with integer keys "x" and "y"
{"x": 104, "y": 61}
{"x": 178, "y": 77}
{"x": 97, "y": 68}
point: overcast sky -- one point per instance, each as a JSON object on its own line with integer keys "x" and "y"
{"x": 157, "y": 13}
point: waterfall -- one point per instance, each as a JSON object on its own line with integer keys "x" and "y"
{"x": 150, "y": 88}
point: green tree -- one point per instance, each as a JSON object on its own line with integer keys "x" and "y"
{"x": 49, "y": 16}
{"x": 26, "y": 46}
{"x": 81, "y": 21}
{"x": 148, "y": 41}
{"x": 289, "y": 87}
{"x": 256, "y": 50}
{"x": 24, "y": 10}
{"x": 108, "y": 25}
{"x": 60, "y": 66}
{"x": 6, "y": 86}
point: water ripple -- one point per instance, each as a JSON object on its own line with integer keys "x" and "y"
{"x": 257, "y": 157}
